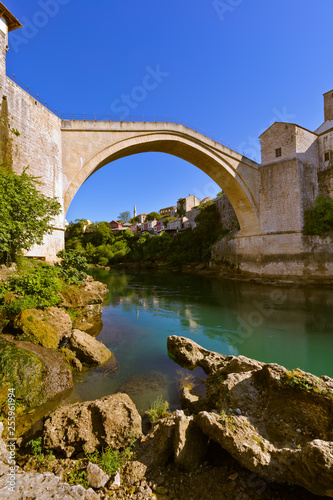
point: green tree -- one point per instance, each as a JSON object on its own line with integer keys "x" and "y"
{"x": 125, "y": 216}
{"x": 153, "y": 216}
{"x": 181, "y": 207}
{"x": 25, "y": 214}
{"x": 319, "y": 220}
{"x": 219, "y": 194}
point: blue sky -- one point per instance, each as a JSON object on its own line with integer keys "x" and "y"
{"x": 230, "y": 68}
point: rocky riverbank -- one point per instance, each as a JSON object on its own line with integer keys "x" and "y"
{"x": 260, "y": 432}
{"x": 41, "y": 349}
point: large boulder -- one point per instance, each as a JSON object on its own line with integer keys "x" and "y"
{"x": 88, "y": 349}
{"x": 91, "y": 292}
{"x": 111, "y": 421}
{"x": 273, "y": 421}
{"x": 36, "y": 373}
{"x": 44, "y": 327}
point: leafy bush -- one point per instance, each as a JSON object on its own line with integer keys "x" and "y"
{"x": 35, "y": 288}
{"x": 73, "y": 266}
{"x": 319, "y": 220}
{"x": 159, "y": 409}
{"x": 25, "y": 214}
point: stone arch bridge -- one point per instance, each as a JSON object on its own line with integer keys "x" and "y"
{"x": 89, "y": 145}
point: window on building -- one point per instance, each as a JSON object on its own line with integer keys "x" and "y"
{"x": 327, "y": 155}
{"x": 278, "y": 152}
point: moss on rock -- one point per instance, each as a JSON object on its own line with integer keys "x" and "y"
{"x": 23, "y": 371}
{"x": 35, "y": 328}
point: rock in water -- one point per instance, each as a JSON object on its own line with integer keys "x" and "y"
{"x": 273, "y": 421}
{"x": 111, "y": 421}
{"x": 88, "y": 349}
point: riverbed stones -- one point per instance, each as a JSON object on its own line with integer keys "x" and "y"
{"x": 87, "y": 349}
{"x": 111, "y": 421}
{"x": 272, "y": 421}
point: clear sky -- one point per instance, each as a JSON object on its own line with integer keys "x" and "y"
{"x": 227, "y": 67}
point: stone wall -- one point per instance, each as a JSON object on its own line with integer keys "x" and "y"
{"x": 326, "y": 182}
{"x": 278, "y": 256}
{"x": 38, "y": 147}
{"x": 228, "y": 217}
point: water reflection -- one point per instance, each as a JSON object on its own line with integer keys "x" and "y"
{"x": 291, "y": 327}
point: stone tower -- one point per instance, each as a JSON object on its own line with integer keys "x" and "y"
{"x": 134, "y": 211}
{"x": 7, "y": 23}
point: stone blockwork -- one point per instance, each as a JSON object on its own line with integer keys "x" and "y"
{"x": 228, "y": 216}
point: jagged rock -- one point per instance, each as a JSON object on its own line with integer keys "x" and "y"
{"x": 88, "y": 349}
{"x": 190, "y": 443}
{"x": 96, "y": 477}
{"x": 191, "y": 401}
{"x": 36, "y": 373}
{"x": 33, "y": 485}
{"x": 110, "y": 421}
{"x": 92, "y": 292}
{"x": 272, "y": 421}
{"x": 190, "y": 355}
{"x": 158, "y": 445}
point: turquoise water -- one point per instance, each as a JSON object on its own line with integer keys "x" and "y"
{"x": 289, "y": 326}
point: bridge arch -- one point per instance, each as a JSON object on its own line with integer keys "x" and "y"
{"x": 236, "y": 175}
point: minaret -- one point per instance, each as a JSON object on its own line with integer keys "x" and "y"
{"x": 134, "y": 211}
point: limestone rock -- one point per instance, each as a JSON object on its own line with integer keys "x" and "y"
{"x": 36, "y": 373}
{"x": 92, "y": 292}
{"x": 158, "y": 445}
{"x": 44, "y": 327}
{"x": 190, "y": 443}
{"x": 87, "y": 349}
{"x": 96, "y": 477}
{"x": 190, "y": 355}
{"x": 110, "y": 421}
{"x": 44, "y": 486}
{"x": 272, "y": 421}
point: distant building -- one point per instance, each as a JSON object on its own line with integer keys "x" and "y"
{"x": 133, "y": 228}
{"x": 142, "y": 218}
{"x": 184, "y": 205}
{"x": 209, "y": 198}
{"x": 174, "y": 225}
{"x": 168, "y": 212}
{"x": 115, "y": 225}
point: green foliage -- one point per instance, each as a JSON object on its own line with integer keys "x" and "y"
{"x": 229, "y": 421}
{"x": 34, "y": 288}
{"x": 111, "y": 460}
{"x": 181, "y": 207}
{"x": 159, "y": 409}
{"x": 78, "y": 475}
{"x": 125, "y": 216}
{"x": 154, "y": 216}
{"x": 36, "y": 447}
{"x": 25, "y": 214}
{"x": 319, "y": 220}
{"x": 73, "y": 266}
{"x": 219, "y": 194}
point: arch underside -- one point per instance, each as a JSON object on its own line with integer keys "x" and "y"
{"x": 222, "y": 170}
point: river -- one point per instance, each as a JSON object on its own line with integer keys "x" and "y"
{"x": 289, "y": 326}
